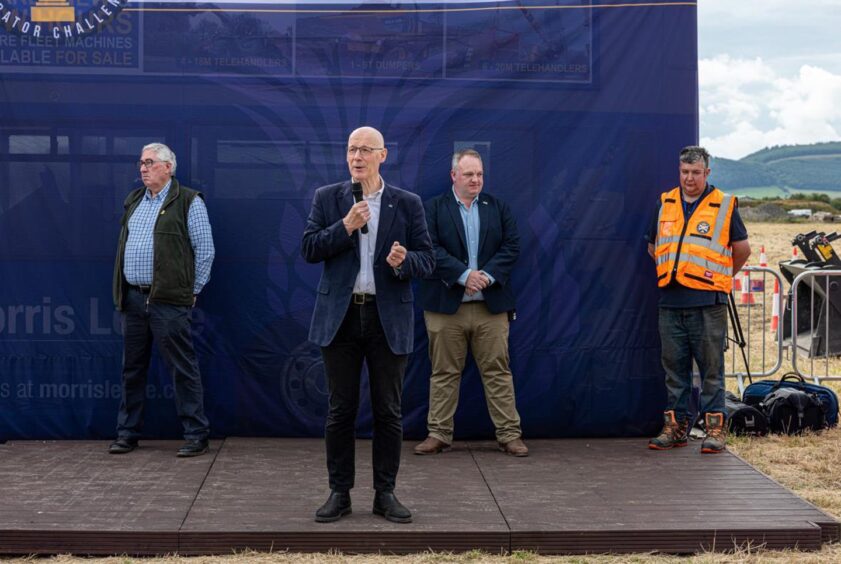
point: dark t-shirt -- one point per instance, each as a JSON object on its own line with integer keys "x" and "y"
{"x": 674, "y": 294}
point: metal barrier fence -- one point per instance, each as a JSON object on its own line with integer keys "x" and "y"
{"x": 754, "y": 305}
{"x": 816, "y": 306}
{"x": 807, "y": 328}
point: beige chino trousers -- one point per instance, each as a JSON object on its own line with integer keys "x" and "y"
{"x": 486, "y": 335}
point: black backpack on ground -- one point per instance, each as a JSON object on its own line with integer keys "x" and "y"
{"x": 790, "y": 411}
{"x": 756, "y": 392}
{"x": 743, "y": 419}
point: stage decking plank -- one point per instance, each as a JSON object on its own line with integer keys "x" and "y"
{"x": 569, "y": 496}
{"x": 635, "y": 499}
{"x": 72, "y": 496}
{"x": 262, "y": 494}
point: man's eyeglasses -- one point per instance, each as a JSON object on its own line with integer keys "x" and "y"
{"x": 364, "y": 151}
{"x": 148, "y": 163}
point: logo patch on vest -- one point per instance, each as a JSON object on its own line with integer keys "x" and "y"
{"x": 708, "y": 274}
{"x": 703, "y": 228}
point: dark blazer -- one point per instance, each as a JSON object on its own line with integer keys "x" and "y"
{"x": 499, "y": 247}
{"x": 326, "y": 240}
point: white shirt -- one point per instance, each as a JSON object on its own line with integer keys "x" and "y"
{"x": 368, "y": 243}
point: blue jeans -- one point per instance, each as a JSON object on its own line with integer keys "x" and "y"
{"x": 170, "y": 327}
{"x": 699, "y": 333}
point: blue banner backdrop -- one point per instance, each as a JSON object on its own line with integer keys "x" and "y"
{"x": 579, "y": 108}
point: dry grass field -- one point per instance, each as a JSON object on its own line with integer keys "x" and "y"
{"x": 809, "y": 465}
{"x": 756, "y": 318}
{"x": 830, "y": 554}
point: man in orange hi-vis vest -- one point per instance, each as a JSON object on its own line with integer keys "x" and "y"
{"x": 699, "y": 242}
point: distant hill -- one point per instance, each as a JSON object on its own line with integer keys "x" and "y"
{"x": 779, "y": 171}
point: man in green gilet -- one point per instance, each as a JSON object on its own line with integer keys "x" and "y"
{"x": 163, "y": 261}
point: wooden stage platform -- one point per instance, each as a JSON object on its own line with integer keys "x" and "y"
{"x": 569, "y": 496}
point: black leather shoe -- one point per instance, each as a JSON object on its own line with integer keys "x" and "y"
{"x": 387, "y": 505}
{"x": 122, "y": 446}
{"x": 193, "y": 448}
{"x": 336, "y": 507}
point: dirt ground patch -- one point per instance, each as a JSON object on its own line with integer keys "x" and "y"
{"x": 777, "y": 238}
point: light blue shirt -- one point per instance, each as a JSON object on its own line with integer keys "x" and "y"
{"x": 138, "y": 260}
{"x": 470, "y": 219}
{"x": 364, "y": 283}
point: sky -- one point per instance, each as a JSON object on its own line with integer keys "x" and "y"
{"x": 769, "y": 73}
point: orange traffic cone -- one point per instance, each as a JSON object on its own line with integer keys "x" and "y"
{"x": 746, "y": 297}
{"x": 758, "y": 285}
{"x": 794, "y": 253}
{"x": 775, "y": 307}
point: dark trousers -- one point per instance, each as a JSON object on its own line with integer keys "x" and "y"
{"x": 170, "y": 327}
{"x": 694, "y": 333}
{"x": 359, "y": 338}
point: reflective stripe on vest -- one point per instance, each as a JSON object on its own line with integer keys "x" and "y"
{"x": 712, "y": 245}
{"x": 703, "y": 263}
{"x": 694, "y": 252}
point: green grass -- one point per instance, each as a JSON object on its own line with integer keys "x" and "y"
{"x": 777, "y": 191}
{"x": 759, "y": 191}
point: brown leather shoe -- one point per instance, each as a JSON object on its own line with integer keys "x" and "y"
{"x": 515, "y": 448}
{"x": 431, "y": 446}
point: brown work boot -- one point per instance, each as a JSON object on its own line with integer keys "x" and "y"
{"x": 673, "y": 434}
{"x": 515, "y": 448}
{"x": 716, "y": 439}
{"x": 431, "y": 446}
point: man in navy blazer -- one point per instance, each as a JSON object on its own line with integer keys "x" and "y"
{"x": 372, "y": 238}
{"x": 467, "y": 303}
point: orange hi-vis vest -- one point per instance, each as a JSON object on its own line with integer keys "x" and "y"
{"x": 696, "y": 253}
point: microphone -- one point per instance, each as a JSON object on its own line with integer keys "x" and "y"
{"x": 356, "y": 190}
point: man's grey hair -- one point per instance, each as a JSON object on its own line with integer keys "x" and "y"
{"x": 693, "y": 154}
{"x": 163, "y": 153}
{"x": 460, "y": 154}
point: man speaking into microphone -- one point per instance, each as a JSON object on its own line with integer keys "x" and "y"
{"x": 372, "y": 238}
